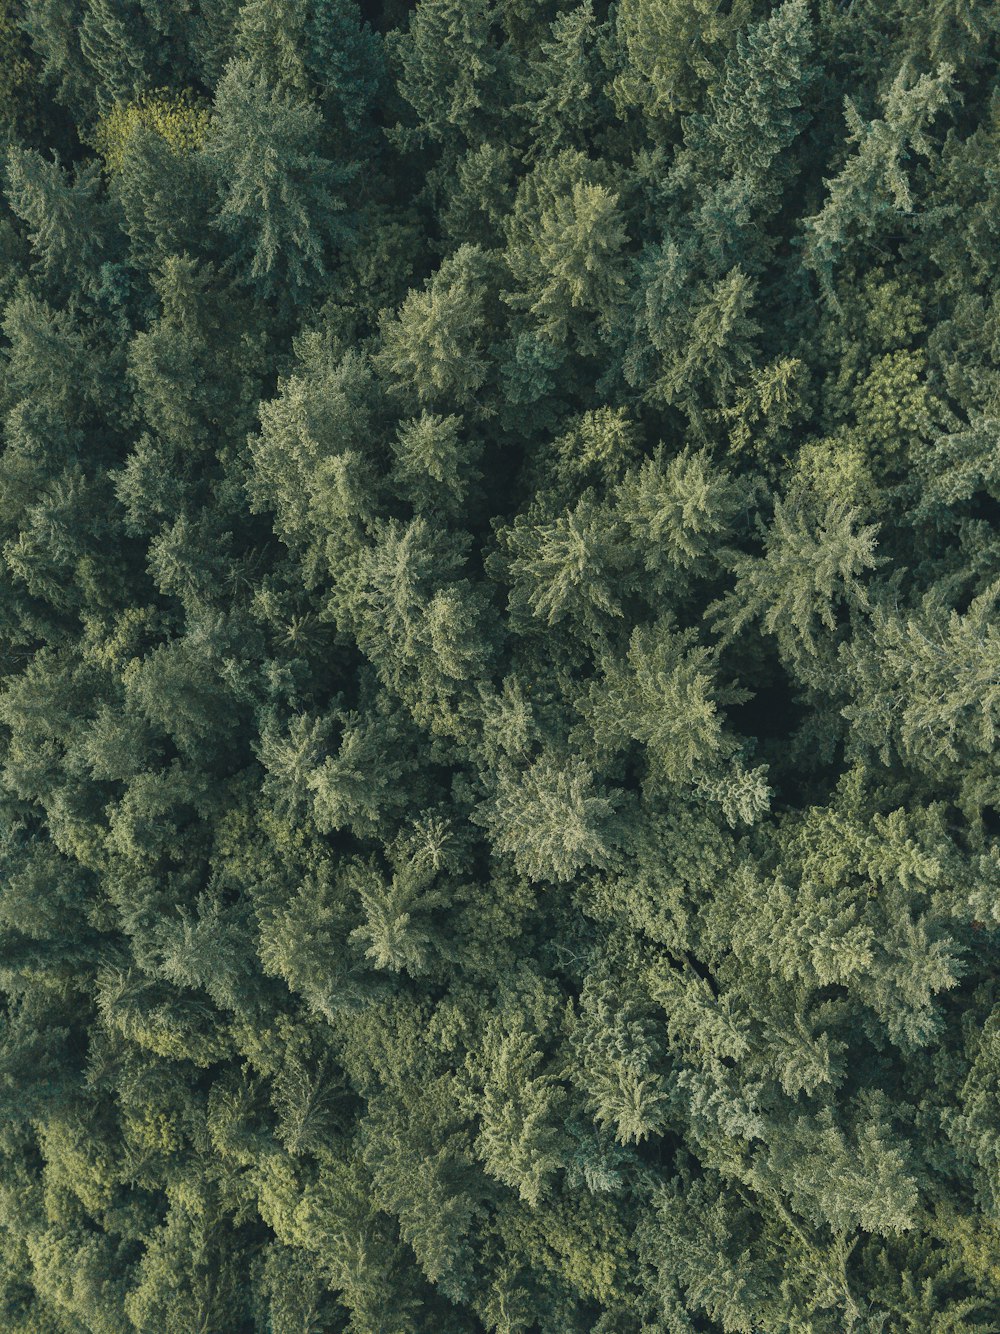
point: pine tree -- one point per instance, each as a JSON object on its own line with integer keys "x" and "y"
{"x": 449, "y": 68}
{"x": 872, "y": 189}
{"x": 280, "y": 200}
{"x": 434, "y": 349}
{"x": 550, "y": 819}
{"x": 812, "y": 563}
{"x": 498, "y": 580}
{"x": 671, "y": 48}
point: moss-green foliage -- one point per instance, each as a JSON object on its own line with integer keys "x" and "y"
{"x": 175, "y": 117}
{"x": 18, "y": 72}
{"x": 499, "y": 585}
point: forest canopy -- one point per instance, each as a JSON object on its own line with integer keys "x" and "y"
{"x": 499, "y": 667}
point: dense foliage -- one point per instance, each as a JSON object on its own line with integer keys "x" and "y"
{"x": 500, "y": 666}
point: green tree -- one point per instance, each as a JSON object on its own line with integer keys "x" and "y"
{"x": 872, "y": 190}
{"x": 434, "y": 349}
{"x": 550, "y": 818}
{"x": 671, "y": 49}
{"x": 498, "y": 695}
{"x": 280, "y": 200}
{"x": 450, "y": 70}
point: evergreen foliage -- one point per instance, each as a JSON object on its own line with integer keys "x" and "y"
{"x": 499, "y": 696}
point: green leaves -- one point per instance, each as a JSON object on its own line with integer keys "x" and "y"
{"x": 393, "y": 929}
{"x": 450, "y": 71}
{"x": 617, "y": 1060}
{"x": 435, "y": 466}
{"x": 672, "y": 47}
{"x": 680, "y": 512}
{"x": 663, "y": 696}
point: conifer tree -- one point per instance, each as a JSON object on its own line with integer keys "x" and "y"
{"x": 280, "y": 200}
{"x": 498, "y": 666}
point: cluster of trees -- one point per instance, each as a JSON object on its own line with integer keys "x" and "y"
{"x": 499, "y": 642}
